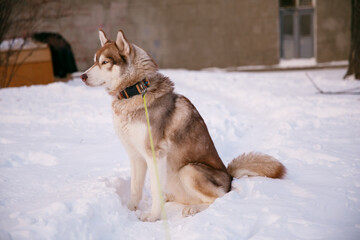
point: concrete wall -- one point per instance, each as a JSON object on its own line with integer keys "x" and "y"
{"x": 191, "y": 34}
{"x": 196, "y": 34}
{"x": 333, "y": 19}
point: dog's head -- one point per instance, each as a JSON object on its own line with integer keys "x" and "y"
{"x": 118, "y": 64}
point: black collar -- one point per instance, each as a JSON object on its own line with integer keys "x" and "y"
{"x": 135, "y": 89}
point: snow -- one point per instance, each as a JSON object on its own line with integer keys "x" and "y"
{"x": 308, "y": 62}
{"x": 18, "y": 43}
{"x": 287, "y": 64}
{"x": 296, "y": 62}
{"x": 65, "y": 175}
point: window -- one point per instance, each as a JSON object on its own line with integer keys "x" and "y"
{"x": 296, "y": 29}
{"x": 303, "y": 3}
{"x": 295, "y": 3}
{"x": 287, "y": 3}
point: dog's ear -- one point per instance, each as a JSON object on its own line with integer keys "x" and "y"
{"x": 102, "y": 37}
{"x": 122, "y": 43}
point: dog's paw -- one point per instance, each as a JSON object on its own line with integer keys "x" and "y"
{"x": 149, "y": 217}
{"x": 191, "y": 210}
{"x": 132, "y": 206}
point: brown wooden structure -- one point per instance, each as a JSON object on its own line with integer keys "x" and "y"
{"x": 34, "y": 66}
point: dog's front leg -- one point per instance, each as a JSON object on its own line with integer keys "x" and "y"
{"x": 138, "y": 172}
{"x": 155, "y": 213}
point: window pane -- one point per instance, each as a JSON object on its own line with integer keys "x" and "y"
{"x": 305, "y": 3}
{"x": 305, "y": 25}
{"x": 288, "y": 24}
{"x": 288, "y": 40}
{"x": 287, "y": 3}
{"x": 306, "y": 39}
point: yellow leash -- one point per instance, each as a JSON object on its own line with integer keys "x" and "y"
{"x": 163, "y": 213}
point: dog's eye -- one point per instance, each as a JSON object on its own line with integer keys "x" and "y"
{"x": 104, "y": 62}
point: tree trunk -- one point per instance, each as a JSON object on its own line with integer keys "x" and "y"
{"x": 354, "y": 56}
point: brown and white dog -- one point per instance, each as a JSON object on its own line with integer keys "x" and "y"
{"x": 190, "y": 169}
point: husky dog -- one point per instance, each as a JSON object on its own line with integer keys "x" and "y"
{"x": 189, "y": 167}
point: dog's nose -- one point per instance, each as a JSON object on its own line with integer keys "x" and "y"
{"x": 84, "y": 77}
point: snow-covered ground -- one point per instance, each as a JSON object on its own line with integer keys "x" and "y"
{"x": 65, "y": 175}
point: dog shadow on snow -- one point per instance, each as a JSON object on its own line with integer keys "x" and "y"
{"x": 121, "y": 185}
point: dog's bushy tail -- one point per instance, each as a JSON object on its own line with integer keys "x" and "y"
{"x": 256, "y": 164}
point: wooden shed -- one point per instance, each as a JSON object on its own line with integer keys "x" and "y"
{"x": 28, "y": 63}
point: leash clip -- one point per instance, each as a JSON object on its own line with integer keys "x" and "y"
{"x": 143, "y": 92}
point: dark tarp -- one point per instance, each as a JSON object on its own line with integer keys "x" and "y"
{"x": 62, "y": 56}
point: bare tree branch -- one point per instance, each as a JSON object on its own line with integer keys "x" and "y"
{"x": 21, "y": 19}
{"x": 350, "y": 91}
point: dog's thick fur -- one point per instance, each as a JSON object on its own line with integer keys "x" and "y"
{"x": 190, "y": 168}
